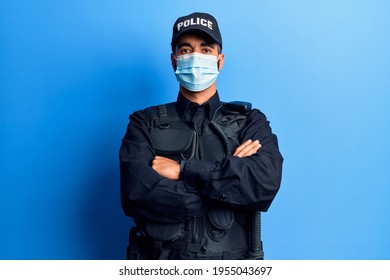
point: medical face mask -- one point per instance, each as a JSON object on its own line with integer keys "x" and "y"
{"x": 196, "y": 71}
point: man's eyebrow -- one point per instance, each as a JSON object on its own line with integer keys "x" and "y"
{"x": 183, "y": 44}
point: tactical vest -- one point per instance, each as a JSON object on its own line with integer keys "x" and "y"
{"x": 222, "y": 233}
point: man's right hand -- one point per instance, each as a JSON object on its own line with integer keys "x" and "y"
{"x": 247, "y": 148}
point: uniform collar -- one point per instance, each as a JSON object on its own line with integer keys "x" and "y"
{"x": 183, "y": 104}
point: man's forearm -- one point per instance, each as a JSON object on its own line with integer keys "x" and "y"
{"x": 170, "y": 169}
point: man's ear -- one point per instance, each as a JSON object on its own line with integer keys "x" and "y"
{"x": 221, "y": 61}
{"x": 173, "y": 62}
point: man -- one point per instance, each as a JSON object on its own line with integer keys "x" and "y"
{"x": 195, "y": 172}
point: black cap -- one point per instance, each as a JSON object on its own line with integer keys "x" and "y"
{"x": 197, "y": 21}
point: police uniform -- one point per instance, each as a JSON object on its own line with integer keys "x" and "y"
{"x": 206, "y": 214}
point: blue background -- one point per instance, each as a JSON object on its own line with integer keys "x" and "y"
{"x": 72, "y": 71}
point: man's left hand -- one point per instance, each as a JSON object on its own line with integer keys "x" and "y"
{"x": 166, "y": 167}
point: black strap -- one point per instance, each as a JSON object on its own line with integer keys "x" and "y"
{"x": 256, "y": 250}
{"x": 163, "y": 120}
{"x": 163, "y": 248}
{"x": 167, "y": 114}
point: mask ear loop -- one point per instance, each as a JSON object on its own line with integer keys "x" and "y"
{"x": 219, "y": 56}
{"x": 175, "y": 62}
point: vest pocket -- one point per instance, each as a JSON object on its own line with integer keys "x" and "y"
{"x": 165, "y": 232}
{"x": 220, "y": 220}
{"x": 176, "y": 144}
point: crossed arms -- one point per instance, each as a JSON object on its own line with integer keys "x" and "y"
{"x": 170, "y": 169}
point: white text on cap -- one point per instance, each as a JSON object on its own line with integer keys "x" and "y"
{"x": 197, "y": 21}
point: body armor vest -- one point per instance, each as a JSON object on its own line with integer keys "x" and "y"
{"x": 222, "y": 231}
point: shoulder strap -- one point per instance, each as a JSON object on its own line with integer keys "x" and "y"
{"x": 163, "y": 115}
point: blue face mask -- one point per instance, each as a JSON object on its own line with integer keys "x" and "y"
{"x": 196, "y": 71}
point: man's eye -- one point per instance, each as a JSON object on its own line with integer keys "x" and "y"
{"x": 184, "y": 51}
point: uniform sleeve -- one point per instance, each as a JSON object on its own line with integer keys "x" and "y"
{"x": 251, "y": 182}
{"x": 144, "y": 193}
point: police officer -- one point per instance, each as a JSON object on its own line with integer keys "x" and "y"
{"x": 195, "y": 171}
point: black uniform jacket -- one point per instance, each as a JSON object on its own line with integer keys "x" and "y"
{"x": 248, "y": 183}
